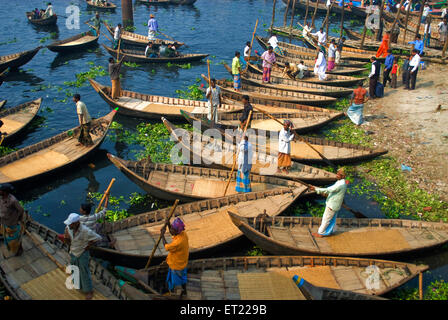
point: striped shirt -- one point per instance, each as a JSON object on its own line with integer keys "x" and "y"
{"x": 90, "y": 220}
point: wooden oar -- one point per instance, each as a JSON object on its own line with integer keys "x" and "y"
{"x": 251, "y": 43}
{"x": 236, "y": 153}
{"x": 299, "y": 137}
{"x": 3, "y": 138}
{"x": 211, "y": 92}
{"x": 167, "y": 221}
{"x": 106, "y": 193}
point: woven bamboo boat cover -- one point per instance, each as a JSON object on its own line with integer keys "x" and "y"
{"x": 320, "y": 276}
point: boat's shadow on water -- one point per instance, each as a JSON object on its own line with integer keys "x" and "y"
{"x": 65, "y": 58}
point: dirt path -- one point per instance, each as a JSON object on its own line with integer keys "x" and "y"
{"x": 405, "y": 123}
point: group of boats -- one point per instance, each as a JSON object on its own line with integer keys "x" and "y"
{"x": 217, "y": 218}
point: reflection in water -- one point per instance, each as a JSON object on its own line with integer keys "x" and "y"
{"x": 65, "y": 58}
{"x": 22, "y": 75}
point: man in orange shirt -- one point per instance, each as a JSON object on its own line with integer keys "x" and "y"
{"x": 177, "y": 258}
{"x": 382, "y": 50}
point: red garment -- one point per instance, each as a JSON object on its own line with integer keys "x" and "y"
{"x": 394, "y": 69}
{"x": 359, "y": 95}
{"x": 382, "y": 50}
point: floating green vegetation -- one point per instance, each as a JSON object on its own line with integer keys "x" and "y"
{"x": 83, "y": 77}
{"x": 437, "y": 290}
{"x": 4, "y": 150}
{"x": 193, "y": 92}
{"x": 315, "y": 209}
{"x": 8, "y": 42}
{"x": 130, "y": 28}
{"x": 183, "y": 66}
{"x": 131, "y": 64}
{"x": 255, "y": 251}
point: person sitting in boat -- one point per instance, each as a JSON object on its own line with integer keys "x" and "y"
{"x": 171, "y": 51}
{"x": 162, "y": 49}
{"x": 273, "y": 41}
{"x": 215, "y": 94}
{"x": 49, "y": 12}
{"x": 151, "y": 51}
{"x": 177, "y": 258}
{"x": 12, "y": 215}
{"x": 320, "y": 68}
{"x": 36, "y": 14}
{"x": 80, "y": 238}
{"x": 303, "y": 70}
{"x": 42, "y": 13}
{"x": 245, "y": 155}
{"x": 290, "y": 70}
{"x": 285, "y": 137}
{"x": 335, "y": 198}
{"x": 246, "y": 110}
{"x": 96, "y": 21}
{"x": 84, "y": 122}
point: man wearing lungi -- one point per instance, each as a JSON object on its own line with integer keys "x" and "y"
{"x": 11, "y": 216}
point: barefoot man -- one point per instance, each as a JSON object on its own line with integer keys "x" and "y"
{"x": 335, "y": 198}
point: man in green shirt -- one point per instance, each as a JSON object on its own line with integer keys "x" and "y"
{"x": 335, "y": 198}
{"x": 236, "y": 71}
{"x": 96, "y": 21}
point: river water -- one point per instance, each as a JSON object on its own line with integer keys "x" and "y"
{"x": 217, "y": 27}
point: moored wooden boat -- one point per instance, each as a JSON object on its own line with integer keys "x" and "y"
{"x": 343, "y": 63}
{"x": 271, "y": 94}
{"x": 51, "y": 154}
{"x": 262, "y": 125}
{"x": 16, "y": 119}
{"x": 188, "y": 183}
{"x": 336, "y": 152}
{"x": 16, "y": 60}
{"x": 270, "y": 277}
{"x": 131, "y": 55}
{"x": 207, "y": 223}
{"x": 2, "y": 103}
{"x": 42, "y": 22}
{"x": 108, "y": 6}
{"x": 80, "y": 41}
{"x": 138, "y": 40}
{"x": 153, "y": 107}
{"x": 354, "y": 237}
{"x": 220, "y": 154}
{"x": 327, "y": 88}
{"x": 35, "y": 276}
{"x": 167, "y": 2}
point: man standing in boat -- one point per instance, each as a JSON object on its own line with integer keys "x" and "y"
{"x": 84, "y": 122}
{"x": 246, "y": 111}
{"x": 335, "y": 197}
{"x": 177, "y": 258}
{"x": 96, "y": 21}
{"x": 11, "y": 217}
{"x": 285, "y": 137}
{"x": 117, "y": 35}
{"x": 80, "y": 238}
{"x": 320, "y": 67}
{"x": 49, "y": 12}
{"x": 114, "y": 72}
{"x": 245, "y": 155}
{"x": 153, "y": 27}
{"x": 215, "y": 94}
{"x": 236, "y": 72}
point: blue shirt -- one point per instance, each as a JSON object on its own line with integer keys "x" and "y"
{"x": 389, "y": 62}
{"x": 418, "y": 45}
{"x": 152, "y": 24}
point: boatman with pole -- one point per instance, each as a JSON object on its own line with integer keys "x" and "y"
{"x": 285, "y": 137}
{"x": 96, "y": 21}
{"x": 177, "y": 258}
{"x": 114, "y": 72}
{"x": 117, "y": 35}
{"x": 213, "y": 92}
{"x": 153, "y": 27}
{"x": 80, "y": 238}
{"x": 335, "y": 197}
{"x": 245, "y": 155}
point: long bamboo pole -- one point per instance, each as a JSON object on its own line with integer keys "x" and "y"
{"x": 406, "y": 21}
{"x": 342, "y": 20}
{"x": 236, "y": 153}
{"x": 397, "y": 16}
{"x": 167, "y": 221}
{"x": 292, "y": 12}
{"x": 286, "y": 13}
{"x": 420, "y": 285}
{"x": 445, "y": 46}
{"x": 273, "y": 16}
{"x": 364, "y": 30}
{"x": 327, "y": 18}
{"x": 306, "y": 12}
{"x": 211, "y": 92}
{"x": 314, "y": 14}
{"x": 106, "y": 193}
{"x": 417, "y": 29}
{"x": 380, "y": 29}
{"x": 251, "y": 44}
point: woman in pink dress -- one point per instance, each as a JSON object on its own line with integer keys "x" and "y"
{"x": 268, "y": 61}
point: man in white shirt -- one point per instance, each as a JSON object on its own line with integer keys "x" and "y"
{"x": 444, "y": 12}
{"x": 413, "y": 70}
{"x": 307, "y": 31}
{"x": 303, "y": 70}
{"x": 246, "y": 54}
{"x": 285, "y": 137}
{"x": 321, "y": 37}
{"x": 320, "y": 68}
{"x": 117, "y": 35}
{"x": 213, "y": 95}
{"x": 273, "y": 41}
{"x": 245, "y": 155}
{"x": 80, "y": 239}
{"x": 374, "y": 76}
{"x": 49, "y": 12}
{"x": 84, "y": 121}
{"x": 443, "y": 31}
{"x": 328, "y": 3}
{"x": 426, "y": 10}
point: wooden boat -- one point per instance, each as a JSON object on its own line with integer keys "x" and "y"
{"x": 16, "y": 60}
{"x": 139, "y": 56}
{"x": 188, "y": 183}
{"x": 153, "y": 107}
{"x": 2, "y": 77}
{"x": 293, "y": 86}
{"x": 219, "y": 154}
{"x": 35, "y": 276}
{"x": 270, "y": 277}
{"x": 321, "y": 7}
{"x": 80, "y": 41}
{"x": 336, "y": 152}
{"x": 138, "y": 40}
{"x": 262, "y": 125}
{"x": 2, "y": 103}
{"x": 16, "y": 119}
{"x": 209, "y": 226}
{"x": 354, "y": 237}
{"x": 268, "y": 93}
{"x": 167, "y": 2}
{"x": 51, "y": 154}
{"x": 42, "y": 22}
{"x": 109, "y": 6}
{"x": 344, "y": 63}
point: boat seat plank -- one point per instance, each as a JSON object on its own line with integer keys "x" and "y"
{"x": 10, "y": 124}
{"x": 158, "y": 178}
{"x": 321, "y": 276}
{"x": 78, "y": 41}
{"x": 347, "y": 278}
{"x": 281, "y": 234}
